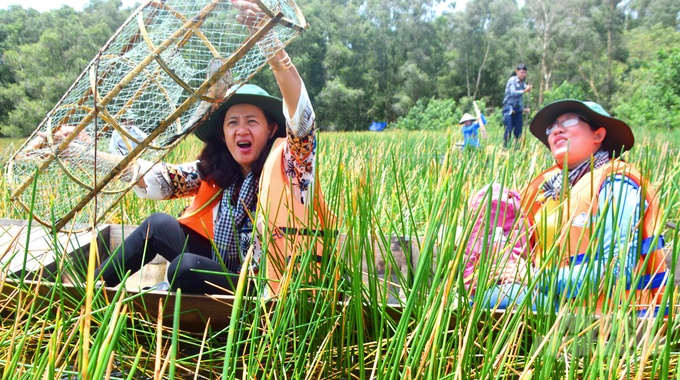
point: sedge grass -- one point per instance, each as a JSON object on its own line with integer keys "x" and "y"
{"x": 337, "y": 323}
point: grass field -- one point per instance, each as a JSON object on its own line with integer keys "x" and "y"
{"x": 393, "y": 183}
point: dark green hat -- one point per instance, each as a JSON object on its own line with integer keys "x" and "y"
{"x": 619, "y": 135}
{"x": 247, "y": 94}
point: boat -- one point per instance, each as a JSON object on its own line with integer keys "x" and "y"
{"x": 46, "y": 249}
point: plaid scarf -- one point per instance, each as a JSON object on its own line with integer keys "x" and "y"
{"x": 231, "y": 220}
{"x": 552, "y": 187}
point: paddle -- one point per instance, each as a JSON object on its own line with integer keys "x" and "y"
{"x": 482, "y": 130}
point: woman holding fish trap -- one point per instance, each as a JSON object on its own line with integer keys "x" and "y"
{"x": 258, "y": 159}
{"x": 592, "y": 216}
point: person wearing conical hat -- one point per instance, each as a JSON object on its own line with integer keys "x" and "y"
{"x": 602, "y": 213}
{"x": 469, "y": 125}
{"x": 250, "y": 139}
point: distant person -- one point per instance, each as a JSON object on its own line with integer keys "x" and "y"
{"x": 469, "y": 126}
{"x": 512, "y": 103}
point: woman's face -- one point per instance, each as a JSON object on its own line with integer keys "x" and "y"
{"x": 579, "y": 140}
{"x": 246, "y": 134}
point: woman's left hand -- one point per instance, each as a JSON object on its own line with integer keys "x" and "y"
{"x": 249, "y": 13}
{"x": 290, "y": 83}
{"x": 514, "y": 272}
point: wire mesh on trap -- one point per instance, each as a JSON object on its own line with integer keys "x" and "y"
{"x": 169, "y": 66}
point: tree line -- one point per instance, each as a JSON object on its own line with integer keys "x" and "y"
{"x": 376, "y": 60}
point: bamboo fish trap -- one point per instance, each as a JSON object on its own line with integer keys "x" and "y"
{"x": 166, "y": 70}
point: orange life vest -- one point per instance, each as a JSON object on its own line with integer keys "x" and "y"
{"x": 292, "y": 226}
{"x": 295, "y": 229}
{"x": 577, "y": 215}
{"x": 199, "y": 215}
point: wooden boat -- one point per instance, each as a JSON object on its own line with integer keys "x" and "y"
{"x": 42, "y": 259}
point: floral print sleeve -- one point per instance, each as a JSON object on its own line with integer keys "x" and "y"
{"x": 169, "y": 181}
{"x": 300, "y": 151}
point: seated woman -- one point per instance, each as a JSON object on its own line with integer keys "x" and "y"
{"x": 600, "y": 202}
{"x": 234, "y": 170}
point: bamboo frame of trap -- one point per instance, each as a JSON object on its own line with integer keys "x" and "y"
{"x": 183, "y": 33}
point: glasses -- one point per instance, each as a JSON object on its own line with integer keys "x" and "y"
{"x": 567, "y": 123}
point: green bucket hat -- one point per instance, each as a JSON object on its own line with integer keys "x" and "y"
{"x": 619, "y": 135}
{"x": 247, "y": 94}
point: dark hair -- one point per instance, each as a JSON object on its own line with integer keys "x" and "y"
{"x": 521, "y": 66}
{"x": 217, "y": 163}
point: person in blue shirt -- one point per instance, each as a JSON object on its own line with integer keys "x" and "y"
{"x": 469, "y": 127}
{"x": 512, "y": 103}
{"x": 602, "y": 219}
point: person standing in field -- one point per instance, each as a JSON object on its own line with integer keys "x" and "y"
{"x": 512, "y": 103}
{"x": 469, "y": 126}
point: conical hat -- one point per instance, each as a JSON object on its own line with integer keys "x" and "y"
{"x": 467, "y": 117}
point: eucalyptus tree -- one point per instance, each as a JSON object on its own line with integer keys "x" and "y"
{"x": 650, "y": 12}
{"x": 549, "y": 20}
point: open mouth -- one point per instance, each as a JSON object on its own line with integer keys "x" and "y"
{"x": 244, "y": 144}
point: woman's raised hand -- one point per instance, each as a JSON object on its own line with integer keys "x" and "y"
{"x": 249, "y": 13}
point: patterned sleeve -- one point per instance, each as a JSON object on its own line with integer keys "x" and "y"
{"x": 169, "y": 181}
{"x": 300, "y": 151}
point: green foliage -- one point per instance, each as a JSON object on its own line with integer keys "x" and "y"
{"x": 430, "y": 115}
{"x": 436, "y": 114}
{"x": 43, "y": 53}
{"x": 654, "y": 99}
{"x": 365, "y": 61}
{"x": 566, "y": 90}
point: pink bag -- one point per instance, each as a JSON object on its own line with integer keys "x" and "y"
{"x": 508, "y": 218}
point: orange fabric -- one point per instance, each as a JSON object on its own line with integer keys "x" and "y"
{"x": 286, "y": 215}
{"x": 199, "y": 215}
{"x": 294, "y": 228}
{"x": 581, "y": 205}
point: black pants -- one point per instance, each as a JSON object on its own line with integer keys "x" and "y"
{"x": 513, "y": 125}
{"x": 161, "y": 234}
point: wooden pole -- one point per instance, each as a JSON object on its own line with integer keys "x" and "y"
{"x": 482, "y": 130}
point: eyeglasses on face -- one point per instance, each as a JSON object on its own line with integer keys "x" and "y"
{"x": 566, "y": 123}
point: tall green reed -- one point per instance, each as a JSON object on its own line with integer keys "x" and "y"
{"x": 335, "y": 320}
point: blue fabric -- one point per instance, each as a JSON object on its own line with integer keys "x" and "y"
{"x": 504, "y": 295}
{"x": 513, "y": 125}
{"x": 514, "y": 90}
{"x": 470, "y": 133}
{"x": 626, "y": 198}
{"x": 649, "y": 281}
{"x": 377, "y": 127}
{"x": 647, "y": 244}
{"x": 643, "y": 313}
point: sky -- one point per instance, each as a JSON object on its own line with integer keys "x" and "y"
{"x": 46, "y": 5}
